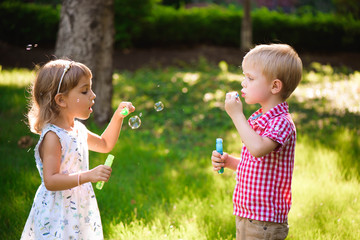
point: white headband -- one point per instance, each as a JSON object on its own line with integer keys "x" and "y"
{"x": 67, "y": 67}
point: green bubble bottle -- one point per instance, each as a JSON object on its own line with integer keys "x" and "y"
{"x": 108, "y": 162}
{"x": 219, "y": 149}
{"x": 125, "y": 111}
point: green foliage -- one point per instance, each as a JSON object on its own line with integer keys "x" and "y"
{"x": 220, "y": 26}
{"x": 168, "y": 26}
{"x": 162, "y": 185}
{"x": 130, "y": 15}
{"x": 320, "y": 31}
{"x": 147, "y": 24}
{"x": 28, "y": 23}
{"x": 348, "y": 7}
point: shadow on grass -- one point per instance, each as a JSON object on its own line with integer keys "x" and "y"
{"x": 335, "y": 131}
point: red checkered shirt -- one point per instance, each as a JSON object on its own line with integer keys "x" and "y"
{"x": 263, "y": 185}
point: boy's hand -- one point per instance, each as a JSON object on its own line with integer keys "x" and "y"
{"x": 218, "y": 160}
{"x": 127, "y": 105}
{"x": 233, "y": 105}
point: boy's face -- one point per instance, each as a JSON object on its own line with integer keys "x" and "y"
{"x": 256, "y": 87}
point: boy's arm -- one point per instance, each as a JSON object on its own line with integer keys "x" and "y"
{"x": 225, "y": 160}
{"x": 257, "y": 145}
{"x": 106, "y": 142}
{"x": 232, "y": 162}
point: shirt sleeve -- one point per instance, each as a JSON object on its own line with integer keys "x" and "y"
{"x": 279, "y": 130}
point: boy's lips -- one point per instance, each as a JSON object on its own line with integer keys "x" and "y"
{"x": 243, "y": 94}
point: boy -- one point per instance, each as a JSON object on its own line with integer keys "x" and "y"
{"x": 262, "y": 195}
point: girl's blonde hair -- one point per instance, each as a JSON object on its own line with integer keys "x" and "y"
{"x": 277, "y": 61}
{"x": 43, "y": 108}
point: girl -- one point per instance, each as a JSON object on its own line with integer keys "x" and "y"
{"x": 65, "y": 206}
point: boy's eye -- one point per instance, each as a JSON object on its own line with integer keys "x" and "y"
{"x": 249, "y": 78}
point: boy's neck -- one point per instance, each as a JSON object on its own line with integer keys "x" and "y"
{"x": 273, "y": 102}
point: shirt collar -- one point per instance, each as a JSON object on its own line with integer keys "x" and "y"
{"x": 261, "y": 119}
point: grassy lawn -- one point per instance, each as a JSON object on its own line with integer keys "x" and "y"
{"x": 163, "y": 186}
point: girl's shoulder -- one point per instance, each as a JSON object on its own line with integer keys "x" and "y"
{"x": 60, "y": 133}
{"x": 53, "y": 128}
{"x": 56, "y": 136}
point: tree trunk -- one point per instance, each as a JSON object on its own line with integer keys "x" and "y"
{"x": 246, "y": 27}
{"x": 86, "y": 35}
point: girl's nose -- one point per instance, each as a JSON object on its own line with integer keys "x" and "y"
{"x": 93, "y": 96}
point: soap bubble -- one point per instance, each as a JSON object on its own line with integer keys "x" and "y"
{"x": 159, "y": 106}
{"x": 134, "y": 122}
{"x": 30, "y": 46}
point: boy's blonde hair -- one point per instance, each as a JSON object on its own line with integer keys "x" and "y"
{"x": 278, "y": 61}
{"x": 43, "y": 108}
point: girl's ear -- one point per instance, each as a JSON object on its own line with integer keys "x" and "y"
{"x": 276, "y": 87}
{"x": 60, "y": 100}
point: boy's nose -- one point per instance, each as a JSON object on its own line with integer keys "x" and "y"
{"x": 243, "y": 83}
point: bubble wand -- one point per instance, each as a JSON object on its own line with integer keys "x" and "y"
{"x": 219, "y": 149}
{"x": 108, "y": 162}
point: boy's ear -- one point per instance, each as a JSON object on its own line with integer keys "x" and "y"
{"x": 277, "y": 86}
{"x": 60, "y": 100}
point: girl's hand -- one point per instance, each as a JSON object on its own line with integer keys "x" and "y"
{"x": 218, "y": 160}
{"x": 233, "y": 105}
{"x": 123, "y": 105}
{"x": 100, "y": 173}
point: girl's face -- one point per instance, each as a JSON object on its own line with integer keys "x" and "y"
{"x": 256, "y": 87}
{"x": 80, "y": 99}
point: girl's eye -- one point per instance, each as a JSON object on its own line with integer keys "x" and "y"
{"x": 84, "y": 92}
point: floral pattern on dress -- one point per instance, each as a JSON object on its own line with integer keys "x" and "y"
{"x": 71, "y": 213}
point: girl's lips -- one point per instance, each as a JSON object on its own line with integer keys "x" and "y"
{"x": 243, "y": 94}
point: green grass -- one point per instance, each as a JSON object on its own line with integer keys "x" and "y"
{"x": 163, "y": 187}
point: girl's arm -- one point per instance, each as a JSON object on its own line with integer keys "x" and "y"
{"x": 50, "y": 153}
{"x": 106, "y": 142}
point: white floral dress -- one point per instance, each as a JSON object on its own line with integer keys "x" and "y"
{"x": 67, "y": 214}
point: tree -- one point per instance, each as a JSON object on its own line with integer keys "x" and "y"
{"x": 86, "y": 34}
{"x": 246, "y": 27}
